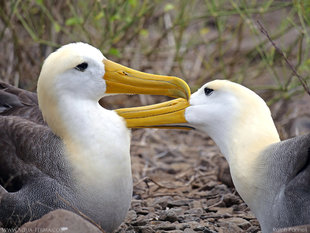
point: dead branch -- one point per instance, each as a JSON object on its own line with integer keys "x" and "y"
{"x": 301, "y": 79}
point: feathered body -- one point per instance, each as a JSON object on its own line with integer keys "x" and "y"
{"x": 82, "y": 164}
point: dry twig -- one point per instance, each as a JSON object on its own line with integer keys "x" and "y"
{"x": 301, "y": 79}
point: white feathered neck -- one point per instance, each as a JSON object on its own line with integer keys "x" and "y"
{"x": 240, "y": 123}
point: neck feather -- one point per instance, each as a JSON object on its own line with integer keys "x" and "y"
{"x": 242, "y": 143}
{"x": 97, "y": 141}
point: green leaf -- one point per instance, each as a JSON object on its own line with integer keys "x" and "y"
{"x": 57, "y": 27}
{"x": 115, "y": 17}
{"x": 205, "y": 30}
{"x": 168, "y": 7}
{"x": 133, "y": 3}
{"x": 305, "y": 66}
{"x": 271, "y": 55}
{"x": 99, "y": 16}
{"x": 39, "y": 2}
{"x": 144, "y": 32}
{"x": 115, "y": 52}
{"x": 128, "y": 19}
{"x": 73, "y": 21}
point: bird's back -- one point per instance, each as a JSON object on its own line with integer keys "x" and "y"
{"x": 288, "y": 185}
{"x": 18, "y": 102}
{"x": 26, "y": 142}
{"x": 34, "y": 174}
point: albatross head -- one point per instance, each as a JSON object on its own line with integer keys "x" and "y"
{"x": 79, "y": 72}
{"x": 74, "y": 69}
{"x": 233, "y": 115}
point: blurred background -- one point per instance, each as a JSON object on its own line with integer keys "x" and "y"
{"x": 198, "y": 41}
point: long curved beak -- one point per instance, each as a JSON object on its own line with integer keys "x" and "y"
{"x": 170, "y": 114}
{"x": 121, "y": 79}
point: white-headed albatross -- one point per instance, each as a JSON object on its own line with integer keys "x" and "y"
{"x": 80, "y": 160}
{"x": 272, "y": 176}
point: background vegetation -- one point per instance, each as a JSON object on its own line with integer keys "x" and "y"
{"x": 197, "y": 40}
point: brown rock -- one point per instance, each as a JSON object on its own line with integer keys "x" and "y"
{"x": 59, "y": 221}
{"x": 131, "y": 215}
{"x": 222, "y": 210}
{"x": 178, "y": 203}
{"x": 163, "y": 201}
{"x": 224, "y": 172}
{"x": 195, "y": 212}
{"x": 230, "y": 199}
{"x": 188, "y": 230}
{"x": 195, "y": 204}
{"x": 182, "y": 226}
{"x": 176, "y": 231}
{"x": 168, "y": 215}
{"x": 140, "y": 221}
{"x": 228, "y": 227}
{"x": 242, "y": 223}
{"x": 166, "y": 226}
{"x": 146, "y": 229}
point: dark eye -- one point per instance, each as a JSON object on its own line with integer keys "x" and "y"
{"x": 81, "y": 67}
{"x": 208, "y": 91}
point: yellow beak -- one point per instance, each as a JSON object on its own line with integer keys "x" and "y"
{"x": 120, "y": 79}
{"x": 170, "y": 114}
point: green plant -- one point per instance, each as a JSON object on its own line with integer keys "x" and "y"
{"x": 197, "y": 40}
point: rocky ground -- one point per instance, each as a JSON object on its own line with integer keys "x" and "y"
{"x": 182, "y": 184}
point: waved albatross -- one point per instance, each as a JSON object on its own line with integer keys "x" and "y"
{"x": 80, "y": 159}
{"x": 272, "y": 176}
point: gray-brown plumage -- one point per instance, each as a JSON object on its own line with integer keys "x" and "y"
{"x": 285, "y": 195}
{"x": 23, "y": 171}
{"x": 18, "y": 102}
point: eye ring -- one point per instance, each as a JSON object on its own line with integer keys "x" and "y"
{"x": 208, "y": 91}
{"x": 81, "y": 67}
